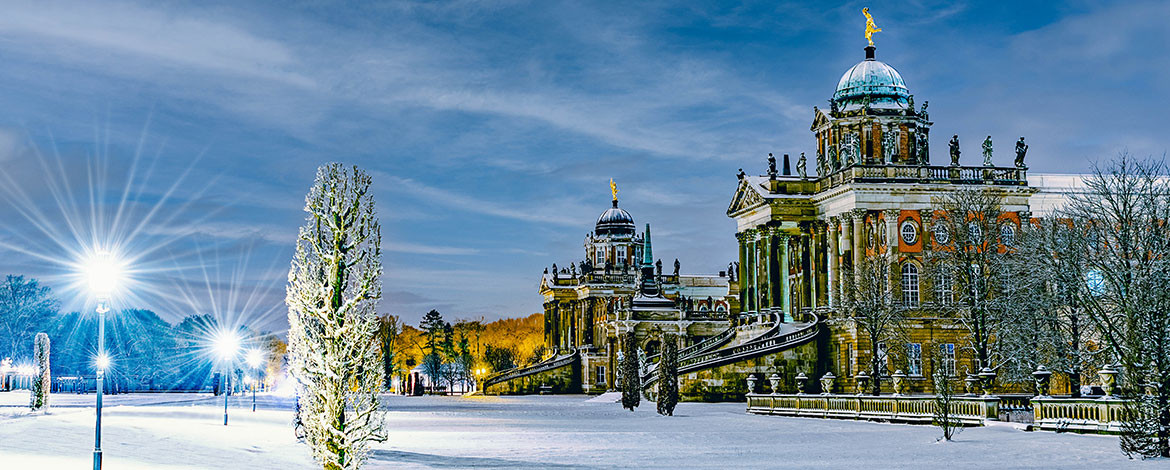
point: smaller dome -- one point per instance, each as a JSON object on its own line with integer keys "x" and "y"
{"x": 615, "y": 222}
{"x": 878, "y": 81}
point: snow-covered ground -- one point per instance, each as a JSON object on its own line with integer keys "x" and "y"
{"x": 558, "y": 432}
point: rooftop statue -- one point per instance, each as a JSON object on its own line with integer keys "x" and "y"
{"x": 821, "y": 164}
{"x": 771, "y": 166}
{"x": 676, "y": 266}
{"x": 613, "y": 188}
{"x": 658, "y": 267}
{"x": 955, "y": 150}
{"x": 925, "y": 115}
{"x": 987, "y": 151}
{"x": 800, "y": 167}
{"x": 741, "y": 174}
{"x": 870, "y": 28}
{"x": 1021, "y": 150}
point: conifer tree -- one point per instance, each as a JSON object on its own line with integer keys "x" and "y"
{"x": 40, "y": 387}
{"x": 334, "y": 285}
{"x": 668, "y": 376}
{"x": 631, "y": 373}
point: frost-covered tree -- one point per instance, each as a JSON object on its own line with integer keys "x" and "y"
{"x": 39, "y": 399}
{"x": 668, "y": 375}
{"x": 334, "y": 286}
{"x": 972, "y": 264}
{"x": 874, "y": 305}
{"x": 631, "y": 373}
{"x": 1125, "y": 206}
{"x": 25, "y": 307}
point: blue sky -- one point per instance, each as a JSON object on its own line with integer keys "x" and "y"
{"x": 492, "y": 128}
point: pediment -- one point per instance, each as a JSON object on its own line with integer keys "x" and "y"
{"x": 819, "y": 119}
{"x": 746, "y": 197}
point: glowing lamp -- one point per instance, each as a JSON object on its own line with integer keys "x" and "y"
{"x": 255, "y": 357}
{"x": 227, "y": 345}
{"x": 103, "y": 272}
{"x": 102, "y": 361}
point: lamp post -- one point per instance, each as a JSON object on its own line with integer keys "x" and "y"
{"x": 227, "y": 346}
{"x": 102, "y": 271}
{"x": 255, "y": 357}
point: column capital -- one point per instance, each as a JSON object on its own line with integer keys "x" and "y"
{"x": 846, "y": 217}
{"x": 891, "y": 214}
{"x": 859, "y": 213}
{"x": 1025, "y": 216}
{"x": 833, "y": 222}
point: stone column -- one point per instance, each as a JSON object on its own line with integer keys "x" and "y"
{"x": 785, "y": 287}
{"x": 740, "y": 272}
{"x": 834, "y": 260}
{"x": 858, "y": 242}
{"x": 847, "y": 246}
{"x": 806, "y": 268}
{"x": 753, "y": 259}
{"x": 768, "y": 236}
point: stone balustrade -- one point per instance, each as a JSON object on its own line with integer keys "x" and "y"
{"x": 971, "y": 411}
{"x": 1084, "y": 415}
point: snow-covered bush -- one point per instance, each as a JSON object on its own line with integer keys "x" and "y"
{"x": 40, "y": 387}
{"x": 631, "y": 373}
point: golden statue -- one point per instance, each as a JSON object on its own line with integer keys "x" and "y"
{"x": 613, "y": 189}
{"x": 870, "y": 28}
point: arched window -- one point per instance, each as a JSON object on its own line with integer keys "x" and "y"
{"x": 910, "y": 285}
{"x": 720, "y": 308}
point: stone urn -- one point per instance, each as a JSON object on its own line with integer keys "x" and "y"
{"x": 827, "y": 383}
{"x": 751, "y": 383}
{"x": 1108, "y": 380}
{"x": 774, "y": 381}
{"x": 862, "y": 383}
{"x": 1042, "y": 376}
{"x": 972, "y": 383}
{"x": 899, "y": 382}
{"x": 800, "y": 381}
{"x": 986, "y": 379}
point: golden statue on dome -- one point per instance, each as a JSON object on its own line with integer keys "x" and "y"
{"x": 870, "y": 28}
{"x": 613, "y": 189}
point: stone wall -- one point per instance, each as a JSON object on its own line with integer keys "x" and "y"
{"x": 728, "y": 382}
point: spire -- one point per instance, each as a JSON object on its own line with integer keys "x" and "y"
{"x": 647, "y": 253}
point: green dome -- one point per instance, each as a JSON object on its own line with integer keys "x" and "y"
{"x": 874, "y": 79}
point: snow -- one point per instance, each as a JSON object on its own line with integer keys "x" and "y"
{"x": 171, "y": 431}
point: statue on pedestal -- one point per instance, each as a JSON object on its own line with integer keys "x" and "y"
{"x": 822, "y": 170}
{"x": 800, "y": 167}
{"x": 987, "y": 151}
{"x": 1021, "y": 150}
{"x": 925, "y": 115}
{"x": 676, "y": 266}
{"x": 658, "y": 267}
{"x": 955, "y": 150}
{"x": 771, "y": 166}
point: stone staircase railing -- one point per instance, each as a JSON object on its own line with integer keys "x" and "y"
{"x": 547, "y": 365}
{"x": 767, "y": 343}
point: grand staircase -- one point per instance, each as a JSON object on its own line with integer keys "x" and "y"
{"x": 718, "y": 350}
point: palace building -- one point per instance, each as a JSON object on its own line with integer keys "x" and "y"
{"x": 873, "y": 192}
{"x": 618, "y": 287}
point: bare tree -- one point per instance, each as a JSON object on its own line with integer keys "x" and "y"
{"x": 1126, "y": 206}
{"x": 874, "y": 304}
{"x": 25, "y": 306}
{"x": 944, "y": 400}
{"x": 971, "y": 262}
{"x": 1051, "y": 325}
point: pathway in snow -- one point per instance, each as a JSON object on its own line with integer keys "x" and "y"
{"x": 538, "y": 432}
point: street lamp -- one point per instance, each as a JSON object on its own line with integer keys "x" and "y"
{"x": 102, "y": 272}
{"x": 255, "y": 357}
{"x": 227, "y": 346}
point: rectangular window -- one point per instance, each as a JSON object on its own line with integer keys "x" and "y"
{"x": 946, "y": 354}
{"x": 599, "y": 258}
{"x": 621, "y": 255}
{"x": 849, "y": 360}
{"x": 944, "y": 294}
{"x": 914, "y": 359}
{"x": 601, "y": 375}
